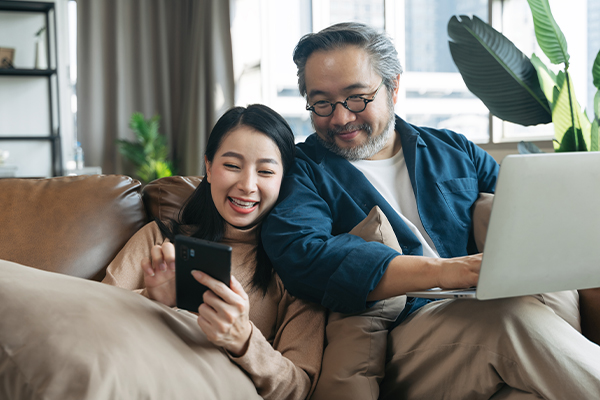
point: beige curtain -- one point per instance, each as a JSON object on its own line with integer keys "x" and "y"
{"x": 166, "y": 57}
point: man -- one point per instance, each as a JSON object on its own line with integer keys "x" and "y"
{"x": 425, "y": 181}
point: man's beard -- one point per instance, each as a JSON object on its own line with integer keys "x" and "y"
{"x": 372, "y": 146}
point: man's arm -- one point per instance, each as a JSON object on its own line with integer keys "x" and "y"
{"x": 411, "y": 273}
{"x": 337, "y": 270}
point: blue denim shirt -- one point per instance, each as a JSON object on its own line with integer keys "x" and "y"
{"x": 324, "y": 196}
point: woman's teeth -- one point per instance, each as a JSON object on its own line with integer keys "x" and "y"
{"x": 243, "y": 204}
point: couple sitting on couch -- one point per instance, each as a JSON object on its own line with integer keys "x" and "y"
{"x": 330, "y": 240}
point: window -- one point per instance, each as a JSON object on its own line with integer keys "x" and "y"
{"x": 575, "y": 20}
{"x": 432, "y": 92}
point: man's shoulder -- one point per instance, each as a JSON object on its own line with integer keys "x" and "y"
{"x": 429, "y": 135}
{"x": 310, "y": 148}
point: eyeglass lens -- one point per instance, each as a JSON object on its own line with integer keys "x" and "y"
{"x": 354, "y": 104}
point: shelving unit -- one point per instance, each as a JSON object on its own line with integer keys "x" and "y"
{"x": 53, "y": 135}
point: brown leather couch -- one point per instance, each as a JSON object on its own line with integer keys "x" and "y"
{"x": 76, "y": 225}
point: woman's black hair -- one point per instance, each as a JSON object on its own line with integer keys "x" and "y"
{"x": 199, "y": 209}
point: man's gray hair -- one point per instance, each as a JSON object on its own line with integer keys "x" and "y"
{"x": 379, "y": 47}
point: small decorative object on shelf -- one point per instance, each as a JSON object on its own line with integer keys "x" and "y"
{"x": 40, "y": 50}
{"x": 7, "y": 56}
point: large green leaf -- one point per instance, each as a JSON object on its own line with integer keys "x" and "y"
{"x": 497, "y": 72}
{"x": 596, "y": 72}
{"x": 595, "y": 146}
{"x": 597, "y": 104}
{"x": 547, "y": 78}
{"x": 548, "y": 33}
{"x": 572, "y": 129}
{"x": 568, "y": 142}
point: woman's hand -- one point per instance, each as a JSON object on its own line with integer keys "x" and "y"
{"x": 224, "y": 314}
{"x": 159, "y": 274}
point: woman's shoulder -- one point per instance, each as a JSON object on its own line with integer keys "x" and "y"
{"x": 286, "y": 299}
{"x": 151, "y": 232}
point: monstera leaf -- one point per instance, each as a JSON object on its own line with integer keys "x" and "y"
{"x": 497, "y": 72}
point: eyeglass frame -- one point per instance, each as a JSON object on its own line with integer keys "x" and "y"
{"x": 344, "y": 103}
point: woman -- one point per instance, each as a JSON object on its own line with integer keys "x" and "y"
{"x": 276, "y": 339}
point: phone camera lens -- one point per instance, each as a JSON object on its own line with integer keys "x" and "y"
{"x": 184, "y": 253}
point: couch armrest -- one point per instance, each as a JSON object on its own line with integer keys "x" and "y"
{"x": 73, "y": 225}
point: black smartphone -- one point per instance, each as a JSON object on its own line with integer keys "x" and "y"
{"x": 209, "y": 257}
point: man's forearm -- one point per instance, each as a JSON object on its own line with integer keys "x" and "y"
{"x": 589, "y": 304}
{"x": 410, "y": 273}
{"x": 405, "y": 274}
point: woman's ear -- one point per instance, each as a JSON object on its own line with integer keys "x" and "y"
{"x": 207, "y": 166}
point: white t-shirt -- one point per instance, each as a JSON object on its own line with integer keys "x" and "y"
{"x": 390, "y": 178}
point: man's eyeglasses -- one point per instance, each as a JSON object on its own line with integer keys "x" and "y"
{"x": 355, "y": 103}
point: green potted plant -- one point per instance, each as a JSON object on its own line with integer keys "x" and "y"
{"x": 524, "y": 90}
{"x": 149, "y": 152}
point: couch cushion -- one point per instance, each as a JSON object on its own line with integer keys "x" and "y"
{"x": 164, "y": 197}
{"x": 73, "y": 225}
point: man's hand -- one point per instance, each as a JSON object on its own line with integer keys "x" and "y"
{"x": 459, "y": 272}
{"x": 159, "y": 274}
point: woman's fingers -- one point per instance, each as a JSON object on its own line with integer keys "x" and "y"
{"x": 163, "y": 257}
{"x": 158, "y": 263}
{"x": 217, "y": 287}
{"x": 237, "y": 288}
{"x": 147, "y": 267}
{"x": 224, "y": 314}
{"x": 168, "y": 250}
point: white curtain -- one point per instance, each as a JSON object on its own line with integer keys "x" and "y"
{"x": 166, "y": 57}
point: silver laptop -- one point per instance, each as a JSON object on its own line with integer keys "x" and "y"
{"x": 544, "y": 230}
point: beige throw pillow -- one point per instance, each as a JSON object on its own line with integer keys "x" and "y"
{"x": 354, "y": 359}
{"x": 64, "y": 338}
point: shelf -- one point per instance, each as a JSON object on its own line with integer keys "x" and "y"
{"x": 26, "y": 72}
{"x": 50, "y": 74}
{"x": 36, "y": 6}
{"x": 31, "y": 138}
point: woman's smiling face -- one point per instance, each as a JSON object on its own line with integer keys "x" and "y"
{"x": 245, "y": 176}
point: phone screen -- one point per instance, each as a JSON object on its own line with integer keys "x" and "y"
{"x": 191, "y": 254}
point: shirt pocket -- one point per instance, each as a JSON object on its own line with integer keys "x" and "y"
{"x": 459, "y": 195}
